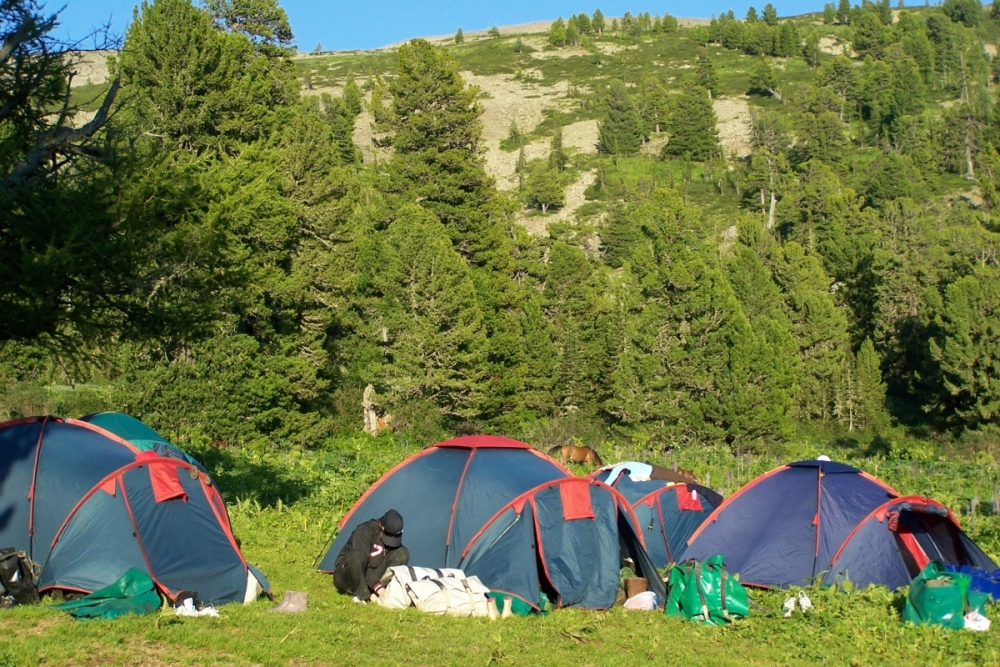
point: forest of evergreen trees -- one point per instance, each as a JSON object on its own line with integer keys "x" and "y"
{"x": 214, "y": 256}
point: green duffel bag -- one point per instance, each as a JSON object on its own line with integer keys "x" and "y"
{"x": 939, "y": 597}
{"x": 706, "y": 593}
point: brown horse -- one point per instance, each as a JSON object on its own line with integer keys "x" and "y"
{"x": 574, "y": 454}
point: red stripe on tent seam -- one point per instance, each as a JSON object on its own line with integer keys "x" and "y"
{"x": 575, "y": 499}
{"x": 557, "y": 464}
{"x": 109, "y": 487}
{"x": 19, "y": 421}
{"x": 31, "y": 490}
{"x": 819, "y": 508}
{"x": 378, "y": 482}
{"x": 454, "y": 504}
{"x": 72, "y": 589}
{"x": 714, "y": 516}
{"x": 881, "y": 509}
{"x": 142, "y": 547}
{"x": 100, "y": 431}
{"x": 885, "y": 486}
{"x": 211, "y": 493}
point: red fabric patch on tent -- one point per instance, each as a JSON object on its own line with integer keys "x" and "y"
{"x": 166, "y": 483}
{"x": 687, "y": 500}
{"x": 519, "y": 505}
{"x": 575, "y": 498}
{"x": 109, "y": 487}
{"x": 145, "y": 456}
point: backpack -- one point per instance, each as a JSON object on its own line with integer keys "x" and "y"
{"x": 17, "y": 578}
{"x": 395, "y": 579}
{"x": 939, "y": 597}
{"x": 706, "y": 593}
{"x": 454, "y": 597}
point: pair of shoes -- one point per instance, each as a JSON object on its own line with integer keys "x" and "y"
{"x": 293, "y": 601}
{"x": 805, "y": 604}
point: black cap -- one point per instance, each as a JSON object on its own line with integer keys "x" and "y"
{"x": 392, "y": 529}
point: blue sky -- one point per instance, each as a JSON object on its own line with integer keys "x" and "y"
{"x": 364, "y": 24}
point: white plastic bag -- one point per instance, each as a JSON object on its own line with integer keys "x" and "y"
{"x": 976, "y": 622}
{"x": 395, "y": 579}
{"x": 645, "y": 601}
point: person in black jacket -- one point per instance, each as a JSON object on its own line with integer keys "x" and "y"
{"x": 372, "y": 548}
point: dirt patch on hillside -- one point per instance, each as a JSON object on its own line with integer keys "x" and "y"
{"x": 830, "y": 45}
{"x": 582, "y": 136}
{"x": 565, "y": 52}
{"x": 733, "y": 125}
{"x": 510, "y": 101}
{"x": 991, "y": 49}
{"x": 91, "y": 67}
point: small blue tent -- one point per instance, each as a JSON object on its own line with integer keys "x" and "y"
{"x": 139, "y": 434}
{"x": 818, "y": 519}
{"x": 566, "y": 538}
{"x": 160, "y": 515}
{"x": 445, "y": 494}
{"x": 668, "y": 516}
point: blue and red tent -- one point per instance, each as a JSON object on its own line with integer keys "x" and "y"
{"x": 822, "y": 520}
{"x": 668, "y": 515}
{"x": 445, "y": 494}
{"x": 566, "y": 538}
{"x": 87, "y": 505}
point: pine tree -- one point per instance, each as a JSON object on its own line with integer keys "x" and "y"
{"x": 705, "y": 76}
{"x": 770, "y": 16}
{"x": 967, "y": 350}
{"x": 751, "y": 16}
{"x": 670, "y": 24}
{"x": 844, "y": 11}
{"x": 263, "y": 22}
{"x": 583, "y": 24}
{"x": 544, "y": 189}
{"x": 557, "y": 33}
{"x": 557, "y": 156}
{"x": 572, "y": 32}
{"x": 869, "y": 393}
{"x": 620, "y": 131}
{"x": 424, "y": 315}
{"x": 353, "y": 100}
{"x": 787, "y": 41}
{"x": 459, "y": 37}
{"x": 597, "y": 22}
{"x": 829, "y": 14}
{"x": 692, "y": 126}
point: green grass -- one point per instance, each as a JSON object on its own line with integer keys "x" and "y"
{"x": 284, "y": 507}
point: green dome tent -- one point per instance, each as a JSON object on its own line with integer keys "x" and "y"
{"x": 139, "y": 434}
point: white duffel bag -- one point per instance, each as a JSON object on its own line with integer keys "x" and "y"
{"x": 395, "y": 579}
{"x": 454, "y": 597}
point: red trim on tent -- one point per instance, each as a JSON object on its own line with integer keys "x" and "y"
{"x": 454, "y": 504}
{"x": 575, "y": 500}
{"x": 714, "y": 516}
{"x": 484, "y": 441}
{"x": 212, "y": 494}
{"x": 687, "y": 499}
{"x": 517, "y": 504}
{"x": 819, "y": 507}
{"x": 109, "y": 487}
{"x": 72, "y": 589}
{"x": 34, "y": 479}
{"x": 541, "y": 550}
{"x": 107, "y": 434}
{"x": 879, "y": 514}
{"x": 872, "y": 478}
{"x": 380, "y": 480}
{"x": 165, "y": 482}
{"x": 21, "y": 420}
{"x": 546, "y": 457}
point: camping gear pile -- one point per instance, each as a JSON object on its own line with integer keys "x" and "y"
{"x": 940, "y": 597}
{"x": 88, "y": 506}
{"x": 435, "y": 591}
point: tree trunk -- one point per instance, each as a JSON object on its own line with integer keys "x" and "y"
{"x": 770, "y": 213}
{"x": 545, "y": 208}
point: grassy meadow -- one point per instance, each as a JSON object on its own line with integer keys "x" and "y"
{"x": 284, "y": 507}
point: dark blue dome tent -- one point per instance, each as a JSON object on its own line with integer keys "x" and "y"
{"x": 161, "y": 515}
{"x": 445, "y": 494}
{"x": 54, "y": 473}
{"x": 669, "y": 515}
{"x": 566, "y": 538}
{"x": 821, "y": 519}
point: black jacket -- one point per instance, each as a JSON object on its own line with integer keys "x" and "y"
{"x": 366, "y": 542}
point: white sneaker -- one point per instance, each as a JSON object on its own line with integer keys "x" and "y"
{"x": 356, "y": 600}
{"x": 805, "y": 604}
{"x": 789, "y": 606}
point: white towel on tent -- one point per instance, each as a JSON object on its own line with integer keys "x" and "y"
{"x": 637, "y": 472}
